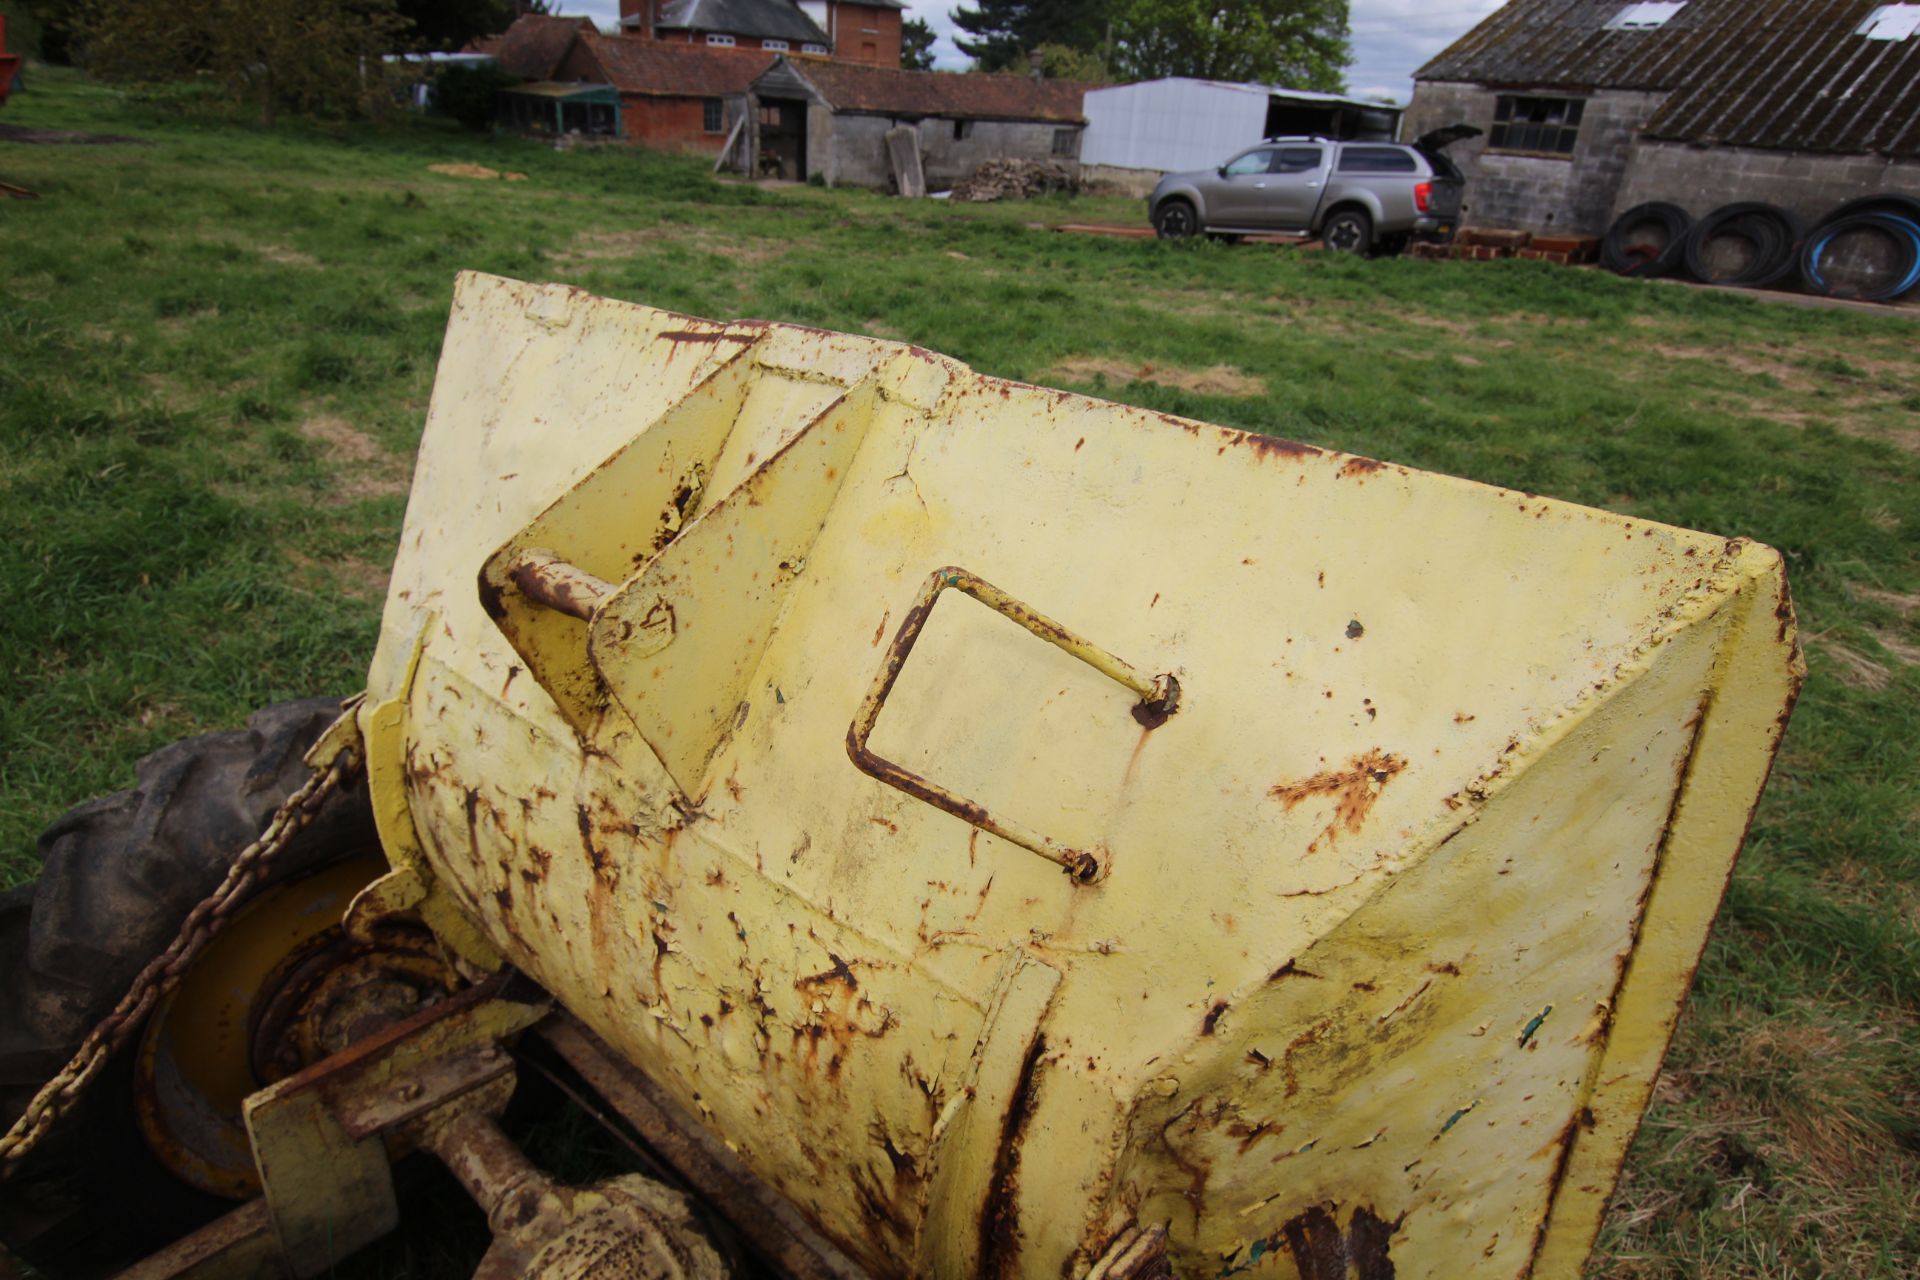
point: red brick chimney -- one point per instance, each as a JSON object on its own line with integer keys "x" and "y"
{"x": 636, "y": 18}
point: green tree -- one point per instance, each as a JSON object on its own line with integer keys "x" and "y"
{"x": 306, "y": 57}
{"x": 43, "y": 28}
{"x": 470, "y": 94}
{"x": 1004, "y": 30}
{"x": 916, "y": 45}
{"x": 1062, "y": 62}
{"x": 1302, "y": 44}
{"x": 449, "y": 24}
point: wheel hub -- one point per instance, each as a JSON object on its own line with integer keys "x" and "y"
{"x": 281, "y": 988}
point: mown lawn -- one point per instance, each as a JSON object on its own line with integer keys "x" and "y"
{"x": 215, "y": 356}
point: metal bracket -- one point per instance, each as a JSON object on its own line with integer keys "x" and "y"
{"x": 320, "y": 1137}
{"x": 1159, "y": 698}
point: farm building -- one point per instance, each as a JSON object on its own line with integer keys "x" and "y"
{"x": 659, "y": 95}
{"x": 864, "y": 31}
{"x": 533, "y": 46}
{"x": 831, "y": 118}
{"x": 1591, "y": 108}
{"x": 1136, "y": 132}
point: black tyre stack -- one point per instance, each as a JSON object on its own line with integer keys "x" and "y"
{"x": 1647, "y": 240}
{"x": 1867, "y": 248}
{"x": 1748, "y": 245}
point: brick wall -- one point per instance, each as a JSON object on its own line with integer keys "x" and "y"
{"x": 1575, "y": 195}
{"x": 866, "y": 33}
{"x": 673, "y": 124}
{"x": 1701, "y": 179}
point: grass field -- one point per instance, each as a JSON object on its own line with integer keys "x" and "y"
{"x": 215, "y": 355}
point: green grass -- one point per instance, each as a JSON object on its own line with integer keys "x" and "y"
{"x": 215, "y": 355}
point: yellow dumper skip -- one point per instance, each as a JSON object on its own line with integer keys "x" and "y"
{"x": 1015, "y": 822}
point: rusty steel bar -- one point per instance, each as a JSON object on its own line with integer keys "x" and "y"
{"x": 545, "y": 578}
{"x": 486, "y": 1161}
{"x": 1159, "y": 698}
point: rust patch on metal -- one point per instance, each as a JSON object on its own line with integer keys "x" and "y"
{"x": 1000, "y": 1217}
{"x": 1213, "y": 1017}
{"x": 1368, "y": 1240}
{"x": 1359, "y": 467}
{"x": 1355, "y": 788}
{"x": 1301, "y": 1041}
{"x": 548, "y": 580}
{"x": 1559, "y": 1176}
{"x": 1290, "y": 969}
{"x": 1277, "y": 445}
{"x": 1153, "y": 712}
{"x": 597, "y": 858}
{"x": 1318, "y": 1245}
{"x": 841, "y": 973}
{"x": 696, "y": 335}
{"x": 1249, "y": 1134}
{"x": 1322, "y": 1251}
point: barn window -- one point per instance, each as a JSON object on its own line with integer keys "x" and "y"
{"x": 715, "y": 38}
{"x": 1063, "y": 141}
{"x": 962, "y": 130}
{"x": 713, "y": 116}
{"x": 811, "y": 47}
{"x": 1540, "y": 125}
{"x": 775, "y": 46}
{"x": 1644, "y": 17}
{"x": 1892, "y": 22}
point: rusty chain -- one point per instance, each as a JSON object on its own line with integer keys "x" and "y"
{"x": 62, "y": 1093}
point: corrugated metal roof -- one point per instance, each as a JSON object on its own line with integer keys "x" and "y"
{"x": 767, "y": 19}
{"x": 973, "y": 95}
{"x": 660, "y": 69}
{"x": 1783, "y": 74}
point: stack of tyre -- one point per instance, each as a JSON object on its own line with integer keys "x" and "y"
{"x": 1867, "y": 249}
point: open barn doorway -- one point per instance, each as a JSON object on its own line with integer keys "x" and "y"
{"x": 782, "y": 149}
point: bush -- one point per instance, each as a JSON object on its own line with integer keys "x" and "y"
{"x": 467, "y": 93}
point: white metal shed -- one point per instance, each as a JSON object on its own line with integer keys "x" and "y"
{"x": 1177, "y": 123}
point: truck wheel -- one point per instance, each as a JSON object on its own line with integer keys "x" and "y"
{"x": 1348, "y": 231}
{"x": 1176, "y": 220}
{"x": 118, "y": 876}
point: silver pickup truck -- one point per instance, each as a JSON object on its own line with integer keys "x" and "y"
{"x": 1360, "y": 197}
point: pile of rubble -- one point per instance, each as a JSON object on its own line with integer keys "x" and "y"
{"x": 1018, "y": 180}
{"x": 1488, "y": 244}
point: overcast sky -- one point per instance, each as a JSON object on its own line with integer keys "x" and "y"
{"x": 1390, "y": 37}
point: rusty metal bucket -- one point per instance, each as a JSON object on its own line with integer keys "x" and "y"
{"x": 1020, "y": 825}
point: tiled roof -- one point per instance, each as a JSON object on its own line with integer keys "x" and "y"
{"x": 768, "y": 19}
{"x": 533, "y": 46}
{"x": 1784, "y": 74}
{"x": 661, "y": 69}
{"x": 851, "y": 86}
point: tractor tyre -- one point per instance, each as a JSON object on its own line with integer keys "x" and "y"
{"x": 118, "y": 877}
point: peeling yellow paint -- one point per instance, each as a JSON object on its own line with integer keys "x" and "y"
{"x": 1397, "y": 906}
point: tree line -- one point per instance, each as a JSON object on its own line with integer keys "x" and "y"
{"x": 1303, "y": 44}
{"x": 322, "y": 57}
